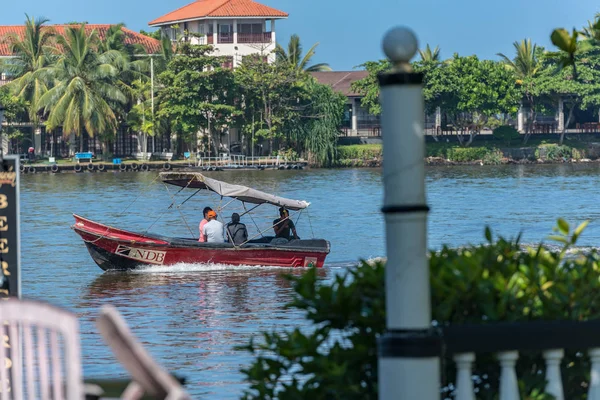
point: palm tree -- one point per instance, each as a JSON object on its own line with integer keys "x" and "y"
{"x": 31, "y": 54}
{"x": 526, "y": 67}
{"x": 429, "y": 55}
{"x": 525, "y": 64}
{"x": 85, "y": 87}
{"x": 293, "y": 56}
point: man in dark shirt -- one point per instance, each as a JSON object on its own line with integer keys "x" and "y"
{"x": 236, "y": 231}
{"x": 283, "y": 226}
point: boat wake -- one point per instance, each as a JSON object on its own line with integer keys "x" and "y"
{"x": 201, "y": 267}
{"x": 216, "y": 267}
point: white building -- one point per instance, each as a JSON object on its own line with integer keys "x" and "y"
{"x": 236, "y": 28}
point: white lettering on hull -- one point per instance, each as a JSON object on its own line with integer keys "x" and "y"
{"x": 147, "y": 256}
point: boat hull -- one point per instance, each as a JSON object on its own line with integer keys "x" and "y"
{"x": 117, "y": 249}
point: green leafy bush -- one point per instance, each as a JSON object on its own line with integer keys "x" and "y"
{"x": 506, "y": 133}
{"x": 467, "y": 154}
{"x": 493, "y": 157}
{"x": 496, "y": 281}
{"x": 359, "y": 151}
{"x": 554, "y": 152}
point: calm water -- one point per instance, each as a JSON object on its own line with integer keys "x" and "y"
{"x": 191, "y": 316}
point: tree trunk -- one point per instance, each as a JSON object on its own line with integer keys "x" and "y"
{"x": 562, "y": 134}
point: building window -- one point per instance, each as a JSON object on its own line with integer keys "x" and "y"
{"x": 225, "y": 33}
{"x": 250, "y": 28}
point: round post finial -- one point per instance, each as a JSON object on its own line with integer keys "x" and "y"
{"x": 400, "y": 45}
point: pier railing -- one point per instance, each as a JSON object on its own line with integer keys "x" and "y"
{"x": 507, "y": 340}
{"x": 241, "y": 161}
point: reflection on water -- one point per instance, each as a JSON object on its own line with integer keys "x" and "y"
{"x": 191, "y": 316}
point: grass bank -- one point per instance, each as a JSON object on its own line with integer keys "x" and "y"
{"x": 487, "y": 153}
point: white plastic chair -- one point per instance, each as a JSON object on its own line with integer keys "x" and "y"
{"x": 148, "y": 377}
{"x": 31, "y": 330}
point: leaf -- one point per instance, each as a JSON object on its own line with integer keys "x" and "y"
{"x": 563, "y": 226}
{"x": 488, "y": 234}
{"x": 563, "y": 40}
{"x": 557, "y": 238}
{"x": 581, "y": 228}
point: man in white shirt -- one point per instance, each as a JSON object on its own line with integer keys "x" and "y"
{"x": 213, "y": 229}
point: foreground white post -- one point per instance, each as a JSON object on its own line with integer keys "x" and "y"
{"x": 553, "y": 378}
{"x": 594, "y": 391}
{"x": 509, "y": 386}
{"x": 409, "y": 366}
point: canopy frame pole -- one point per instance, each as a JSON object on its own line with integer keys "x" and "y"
{"x": 246, "y": 211}
{"x": 252, "y": 218}
{"x": 171, "y": 206}
{"x": 140, "y": 195}
{"x": 260, "y": 233}
{"x": 312, "y": 232}
{"x": 181, "y": 214}
{"x": 183, "y": 202}
{"x": 221, "y": 208}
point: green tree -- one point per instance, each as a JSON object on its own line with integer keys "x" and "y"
{"x": 526, "y": 66}
{"x": 85, "y": 87}
{"x": 293, "y": 56}
{"x": 140, "y": 118}
{"x": 318, "y": 127}
{"x": 368, "y": 87}
{"x": 197, "y": 94}
{"x": 469, "y": 92}
{"x": 32, "y": 53}
{"x": 275, "y": 89}
{"x": 14, "y": 107}
{"x": 155, "y": 34}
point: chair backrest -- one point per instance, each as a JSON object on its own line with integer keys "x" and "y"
{"x": 131, "y": 354}
{"x": 36, "y": 332}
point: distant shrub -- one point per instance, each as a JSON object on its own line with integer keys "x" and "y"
{"x": 506, "y": 134}
{"x": 360, "y": 152}
{"x": 554, "y": 152}
{"x": 466, "y": 154}
{"x": 493, "y": 157}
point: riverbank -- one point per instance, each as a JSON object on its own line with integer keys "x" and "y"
{"x": 137, "y": 166}
{"x": 363, "y": 156}
{"x": 482, "y": 153}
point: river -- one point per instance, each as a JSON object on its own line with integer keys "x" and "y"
{"x": 191, "y": 316}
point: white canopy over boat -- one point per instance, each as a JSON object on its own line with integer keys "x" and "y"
{"x": 196, "y": 180}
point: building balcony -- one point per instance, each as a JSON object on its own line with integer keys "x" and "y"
{"x": 242, "y": 38}
{"x": 264, "y": 37}
{"x": 225, "y": 38}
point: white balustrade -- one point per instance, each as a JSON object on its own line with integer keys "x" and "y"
{"x": 553, "y": 378}
{"x": 464, "y": 376}
{"x": 594, "y": 391}
{"x": 509, "y": 388}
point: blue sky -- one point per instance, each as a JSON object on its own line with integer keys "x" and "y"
{"x": 350, "y": 31}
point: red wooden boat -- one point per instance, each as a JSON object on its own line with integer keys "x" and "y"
{"x": 117, "y": 249}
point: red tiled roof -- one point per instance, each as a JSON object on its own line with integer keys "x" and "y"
{"x": 152, "y": 45}
{"x": 219, "y": 8}
{"x": 341, "y": 81}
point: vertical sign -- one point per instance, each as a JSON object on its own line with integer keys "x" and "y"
{"x": 10, "y": 240}
{"x": 10, "y": 282}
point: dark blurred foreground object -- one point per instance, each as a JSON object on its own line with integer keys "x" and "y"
{"x": 147, "y": 376}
